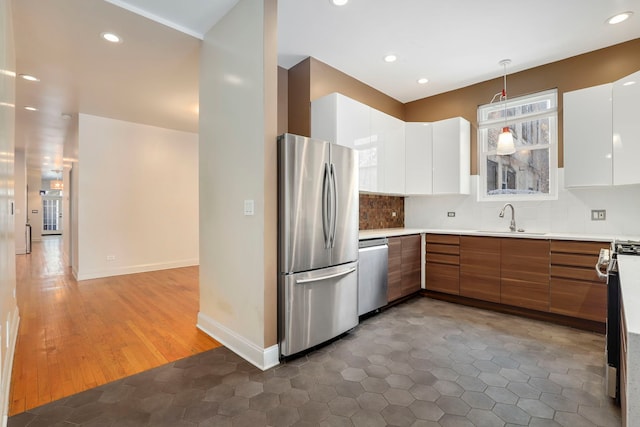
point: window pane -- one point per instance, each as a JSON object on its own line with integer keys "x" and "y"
{"x": 524, "y": 172}
{"x": 529, "y": 133}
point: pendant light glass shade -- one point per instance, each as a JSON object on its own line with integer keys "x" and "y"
{"x": 56, "y": 184}
{"x": 505, "y": 143}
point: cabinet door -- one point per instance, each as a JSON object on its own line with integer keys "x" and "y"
{"x": 451, "y": 156}
{"x": 411, "y": 264}
{"x": 626, "y": 130}
{"x": 480, "y": 268}
{"x": 388, "y": 133}
{"x": 418, "y": 158}
{"x": 394, "y": 278}
{"x": 525, "y": 273}
{"x": 347, "y": 122}
{"x": 587, "y": 138}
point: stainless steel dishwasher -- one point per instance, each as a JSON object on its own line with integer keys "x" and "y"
{"x": 372, "y": 274}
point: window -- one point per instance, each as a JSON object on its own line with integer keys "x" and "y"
{"x": 529, "y": 173}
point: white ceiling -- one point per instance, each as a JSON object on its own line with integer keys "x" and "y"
{"x": 152, "y": 77}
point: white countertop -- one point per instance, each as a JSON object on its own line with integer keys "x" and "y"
{"x": 390, "y": 232}
{"x": 629, "y": 272}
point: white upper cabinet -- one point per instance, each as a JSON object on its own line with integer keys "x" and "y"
{"x": 378, "y": 138}
{"x": 451, "y": 156}
{"x": 588, "y": 137}
{"x": 419, "y": 158}
{"x": 395, "y": 157}
{"x": 387, "y": 132}
{"x": 344, "y": 121}
{"x": 626, "y": 130}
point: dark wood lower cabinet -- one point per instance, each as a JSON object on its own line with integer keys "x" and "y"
{"x": 480, "y": 268}
{"x": 404, "y": 269}
{"x": 576, "y": 290}
{"x": 411, "y": 264}
{"x": 394, "y": 274}
{"x": 443, "y": 263}
{"x": 524, "y": 273}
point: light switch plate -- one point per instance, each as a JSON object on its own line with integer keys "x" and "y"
{"x": 248, "y": 207}
{"x": 451, "y": 214}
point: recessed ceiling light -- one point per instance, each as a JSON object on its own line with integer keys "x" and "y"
{"x": 30, "y": 77}
{"x": 390, "y": 58}
{"x": 111, "y": 37}
{"x": 423, "y": 81}
{"x": 28, "y": 108}
{"x": 616, "y": 19}
{"x": 339, "y": 2}
{"x": 632, "y": 82}
{"x": 65, "y": 116}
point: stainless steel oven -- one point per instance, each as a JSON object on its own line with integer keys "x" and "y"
{"x": 608, "y": 267}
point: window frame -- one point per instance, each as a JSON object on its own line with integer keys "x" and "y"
{"x": 482, "y": 143}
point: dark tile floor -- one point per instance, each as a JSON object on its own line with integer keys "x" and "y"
{"x": 421, "y": 363}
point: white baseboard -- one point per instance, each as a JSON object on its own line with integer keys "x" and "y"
{"x": 262, "y": 358}
{"x": 21, "y": 251}
{"x": 132, "y": 269}
{"x": 7, "y": 366}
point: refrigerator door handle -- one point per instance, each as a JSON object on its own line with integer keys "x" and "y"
{"x": 330, "y": 276}
{"x": 326, "y": 224}
{"x": 334, "y": 205}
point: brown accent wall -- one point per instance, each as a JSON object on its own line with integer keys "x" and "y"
{"x": 590, "y": 69}
{"x": 283, "y": 100}
{"x": 299, "y": 102}
{"x": 377, "y": 212}
{"x": 312, "y": 79}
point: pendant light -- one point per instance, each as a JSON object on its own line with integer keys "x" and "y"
{"x": 506, "y": 145}
{"x": 56, "y": 184}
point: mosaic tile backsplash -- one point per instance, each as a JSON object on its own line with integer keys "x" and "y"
{"x": 377, "y": 212}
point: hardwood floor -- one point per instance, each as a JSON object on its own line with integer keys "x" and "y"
{"x": 74, "y": 336}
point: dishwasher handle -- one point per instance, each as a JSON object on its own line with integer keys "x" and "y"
{"x": 373, "y": 242}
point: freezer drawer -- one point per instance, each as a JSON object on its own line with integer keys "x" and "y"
{"x": 316, "y": 306}
{"x": 372, "y": 275}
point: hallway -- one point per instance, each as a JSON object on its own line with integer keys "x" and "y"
{"x": 74, "y": 336}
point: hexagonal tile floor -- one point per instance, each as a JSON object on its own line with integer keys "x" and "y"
{"x": 421, "y": 363}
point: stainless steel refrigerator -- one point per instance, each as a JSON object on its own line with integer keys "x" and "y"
{"x": 317, "y": 242}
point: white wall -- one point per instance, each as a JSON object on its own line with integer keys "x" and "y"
{"x": 238, "y": 124}
{"x": 9, "y": 318}
{"x": 570, "y": 213}
{"x": 20, "y": 195}
{"x": 34, "y": 203}
{"x": 137, "y": 198}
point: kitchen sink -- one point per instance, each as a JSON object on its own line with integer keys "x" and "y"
{"x": 511, "y": 233}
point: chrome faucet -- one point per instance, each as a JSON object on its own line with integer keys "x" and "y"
{"x": 512, "y": 225}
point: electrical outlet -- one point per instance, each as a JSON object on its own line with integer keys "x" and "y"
{"x": 451, "y": 214}
{"x": 393, "y": 214}
{"x": 111, "y": 257}
{"x": 598, "y": 214}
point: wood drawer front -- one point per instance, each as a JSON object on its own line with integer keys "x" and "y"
{"x": 442, "y": 249}
{"x": 574, "y": 260}
{"x": 578, "y": 299}
{"x": 588, "y": 274}
{"x": 487, "y": 245}
{"x": 527, "y": 294}
{"x": 486, "y": 288}
{"x": 443, "y": 278}
{"x": 394, "y": 272}
{"x": 443, "y": 258}
{"x": 578, "y": 247}
{"x": 447, "y": 239}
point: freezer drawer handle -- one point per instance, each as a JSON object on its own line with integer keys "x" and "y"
{"x": 330, "y": 276}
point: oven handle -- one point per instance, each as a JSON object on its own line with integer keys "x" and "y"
{"x": 600, "y": 274}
